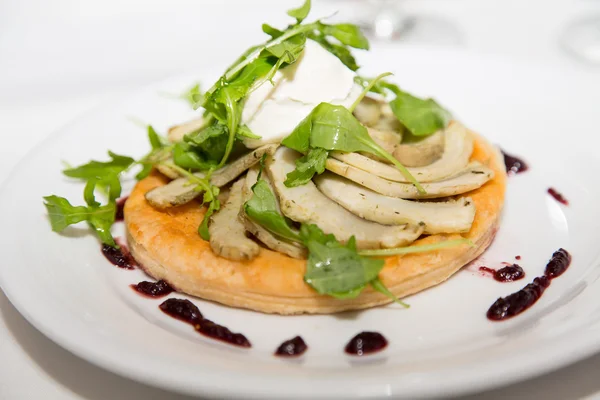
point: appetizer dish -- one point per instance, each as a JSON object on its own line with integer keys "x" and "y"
{"x": 302, "y": 186}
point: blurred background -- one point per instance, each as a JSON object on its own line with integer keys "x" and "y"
{"x": 60, "y": 58}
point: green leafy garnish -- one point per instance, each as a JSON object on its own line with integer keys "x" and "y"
{"x": 102, "y": 175}
{"x": 333, "y": 268}
{"x": 99, "y": 170}
{"x": 301, "y": 12}
{"x": 416, "y": 249}
{"x": 210, "y": 196}
{"x": 347, "y": 34}
{"x": 262, "y": 209}
{"x": 333, "y": 127}
{"x": 158, "y": 152}
{"x": 63, "y": 214}
{"x": 306, "y": 167}
{"x": 194, "y": 96}
{"x": 214, "y": 204}
{"x": 420, "y": 116}
{"x": 377, "y": 285}
{"x": 340, "y": 51}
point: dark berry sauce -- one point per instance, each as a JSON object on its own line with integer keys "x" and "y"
{"x": 119, "y": 215}
{"x": 558, "y": 264}
{"x": 514, "y": 165}
{"x": 119, "y": 257}
{"x": 186, "y": 311}
{"x": 183, "y": 310}
{"x": 291, "y": 348}
{"x": 517, "y": 257}
{"x": 153, "y": 289}
{"x": 557, "y": 196}
{"x": 366, "y": 343}
{"x": 219, "y": 332}
{"x": 516, "y": 303}
{"x": 509, "y": 273}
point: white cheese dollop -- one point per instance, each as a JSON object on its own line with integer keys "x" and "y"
{"x": 273, "y": 111}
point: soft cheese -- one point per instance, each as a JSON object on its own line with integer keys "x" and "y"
{"x": 273, "y": 110}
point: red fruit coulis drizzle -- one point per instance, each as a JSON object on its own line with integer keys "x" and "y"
{"x": 514, "y": 165}
{"x": 292, "y": 348}
{"x": 510, "y": 273}
{"x": 153, "y": 289}
{"x": 517, "y": 257}
{"x": 119, "y": 215}
{"x": 516, "y": 303}
{"x": 120, "y": 257}
{"x": 558, "y": 197}
{"x": 186, "y": 311}
{"x": 366, "y": 343}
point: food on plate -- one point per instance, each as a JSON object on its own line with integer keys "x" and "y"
{"x": 302, "y": 186}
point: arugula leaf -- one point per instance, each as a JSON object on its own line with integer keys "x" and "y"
{"x": 194, "y": 96}
{"x": 245, "y": 132}
{"x": 420, "y": 116}
{"x": 271, "y": 31}
{"x": 262, "y": 209}
{"x": 185, "y": 156}
{"x": 332, "y": 127}
{"x": 103, "y": 175}
{"x": 63, "y": 214}
{"x": 347, "y": 34}
{"x": 203, "y": 149}
{"x": 154, "y": 139}
{"x": 214, "y": 205}
{"x": 306, "y": 167}
{"x": 380, "y": 86}
{"x": 377, "y": 285}
{"x": 335, "y": 269}
{"x": 416, "y": 248}
{"x": 301, "y": 12}
{"x": 159, "y": 151}
{"x": 210, "y": 195}
{"x": 293, "y": 45}
{"x": 98, "y": 169}
{"x": 340, "y": 51}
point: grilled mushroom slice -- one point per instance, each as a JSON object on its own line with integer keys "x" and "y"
{"x": 294, "y": 250}
{"x": 179, "y": 191}
{"x": 470, "y": 178}
{"x": 368, "y": 111}
{"x": 420, "y": 152}
{"x": 458, "y": 146}
{"x": 227, "y": 233}
{"x": 439, "y": 217}
{"x": 308, "y": 205}
{"x": 177, "y": 132}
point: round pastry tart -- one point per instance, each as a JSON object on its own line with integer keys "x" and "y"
{"x": 303, "y": 186}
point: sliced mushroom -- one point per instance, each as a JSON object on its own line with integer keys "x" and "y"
{"x": 458, "y": 146}
{"x": 179, "y": 191}
{"x": 368, "y": 111}
{"x": 227, "y": 233}
{"x": 472, "y": 177}
{"x": 167, "y": 171}
{"x": 308, "y": 205}
{"x": 177, "y": 132}
{"x": 388, "y": 140}
{"x": 421, "y": 152}
{"x": 294, "y": 250}
{"x": 438, "y": 217}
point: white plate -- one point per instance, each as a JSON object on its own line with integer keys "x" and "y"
{"x": 443, "y": 345}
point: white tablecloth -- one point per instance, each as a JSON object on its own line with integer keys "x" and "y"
{"x": 61, "y": 58}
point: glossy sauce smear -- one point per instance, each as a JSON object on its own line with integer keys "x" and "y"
{"x": 516, "y": 303}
